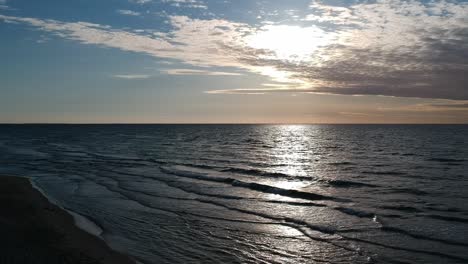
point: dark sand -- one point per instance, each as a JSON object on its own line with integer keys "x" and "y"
{"x": 33, "y": 230}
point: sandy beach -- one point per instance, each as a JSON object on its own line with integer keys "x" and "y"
{"x": 33, "y": 230}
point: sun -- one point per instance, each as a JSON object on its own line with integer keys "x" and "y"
{"x": 290, "y": 43}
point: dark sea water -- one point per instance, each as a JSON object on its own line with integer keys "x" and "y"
{"x": 257, "y": 193}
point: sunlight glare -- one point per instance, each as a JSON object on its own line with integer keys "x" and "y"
{"x": 291, "y": 43}
{"x": 277, "y": 75}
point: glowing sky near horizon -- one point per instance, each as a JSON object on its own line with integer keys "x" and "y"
{"x": 217, "y": 61}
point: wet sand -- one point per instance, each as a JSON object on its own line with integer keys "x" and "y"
{"x": 33, "y": 230}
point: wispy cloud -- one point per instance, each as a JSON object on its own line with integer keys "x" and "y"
{"x": 186, "y": 3}
{"x": 193, "y": 41}
{"x": 43, "y": 39}
{"x": 358, "y": 114}
{"x": 140, "y": 2}
{"x": 460, "y": 106}
{"x": 3, "y": 5}
{"x": 198, "y": 72}
{"x": 260, "y": 90}
{"x": 128, "y": 12}
{"x": 240, "y": 91}
{"x": 131, "y": 76}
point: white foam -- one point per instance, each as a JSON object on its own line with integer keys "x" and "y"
{"x": 85, "y": 224}
{"x": 80, "y": 221}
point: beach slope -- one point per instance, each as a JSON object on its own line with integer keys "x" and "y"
{"x": 33, "y": 230}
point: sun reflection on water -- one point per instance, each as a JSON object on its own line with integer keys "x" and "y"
{"x": 290, "y": 153}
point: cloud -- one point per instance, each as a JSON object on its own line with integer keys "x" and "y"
{"x": 131, "y": 76}
{"x": 198, "y": 72}
{"x": 463, "y": 105}
{"x": 198, "y": 47}
{"x": 384, "y": 47}
{"x": 196, "y": 42}
{"x": 140, "y": 2}
{"x": 392, "y": 48}
{"x": 357, "y": 114}
{"x": 451, "y": 106}
{"x": 128, "y": 12}
{"x": 237, "y": 91}
{"x": 43, "y": 39}
{"x": 186, "y": 3}
{"x": 437, "y": 106}
{"x": 260, "y": 91}
{"x": 3, "y": 5}
{"x": 397, "y": 48}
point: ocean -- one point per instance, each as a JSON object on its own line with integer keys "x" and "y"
{"x": 257, "y": 193}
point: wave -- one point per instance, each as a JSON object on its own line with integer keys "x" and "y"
{"x": 253, "y": 141}
{"x": 384, "y": 172}
{"x": 29, "y": 152}
{"x": 327, "y": 234}
{"x": 449, "y": 218}
{"x": 419, "y": 251}
{"x": 252, "y": 185}
{"x": 408, "y": 191}
{"x": 346, "y": 184}
{"x": 446, "y": 160}
{"x": 345, "y": 210}
{"x": 171, "y": 184}
{"x": 191, "y": 139}
{"x": 255, "y": 172}
{"x": 299, "y": 224}
{"x": 342, "y": 163}
{"x": 444, "y": 209}
{"x": 280, "y": 191}
{"x": 199, "y": 166}
{"x": 355, "y": 212}
{"x": 420, "y": 236}
{"x": 332, "y": 183}
{"x": 402, "y": 208}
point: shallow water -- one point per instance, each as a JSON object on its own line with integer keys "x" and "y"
{"x": 257, "y": 193}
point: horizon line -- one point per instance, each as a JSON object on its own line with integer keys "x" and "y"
{"x": 187, "y": 123}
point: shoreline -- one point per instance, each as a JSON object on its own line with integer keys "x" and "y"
{"x": 81, "y": 221}
{"x": 36, "y": 230}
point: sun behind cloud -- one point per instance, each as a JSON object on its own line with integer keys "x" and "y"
{"x": 290, "y": 43}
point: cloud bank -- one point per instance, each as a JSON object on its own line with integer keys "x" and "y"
{"x": 385, "y": 47}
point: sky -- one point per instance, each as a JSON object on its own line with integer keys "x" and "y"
{"x": 226, "y": 61}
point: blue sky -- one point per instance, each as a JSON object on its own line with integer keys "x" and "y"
{"x": 219, "y": 61}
